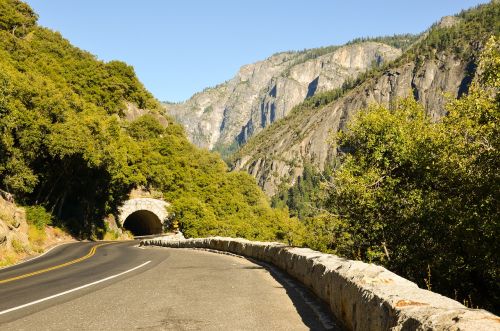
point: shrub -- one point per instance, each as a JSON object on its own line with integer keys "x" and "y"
{"x": 38, "y": 216}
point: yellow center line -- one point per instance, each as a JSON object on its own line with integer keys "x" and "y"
{"x": 80, "y": 259}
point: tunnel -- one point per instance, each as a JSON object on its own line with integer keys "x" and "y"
{"x": 143, "y": 222}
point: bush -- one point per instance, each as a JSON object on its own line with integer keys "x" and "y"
{"x": 38, "y": 216}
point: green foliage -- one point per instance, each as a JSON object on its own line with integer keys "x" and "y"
{"x": 65, "y": 145}
{"x": 16, "y": 17}
{"x": 38, "y": 216}
{"x": 226, "y": 151}
{"x": 145, "y": 127}
{"x": 330, "y": 234}
{"x": 463, "y": 39}
{"x": 416, "y": 195}
{"x": 304, "y": 198}
{"x": 209, "y": 200}
{"x": 380, "y": 144}
{"x": 37, "y": 237}
{"x": 401, "y": 41}
{"x": 59, "y": 146}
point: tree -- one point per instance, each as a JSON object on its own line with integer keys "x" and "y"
{"x": 16, "y": 17}
{"x": 416, "y": 195}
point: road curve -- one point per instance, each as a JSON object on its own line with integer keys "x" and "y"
{"x": 119, "y": 286}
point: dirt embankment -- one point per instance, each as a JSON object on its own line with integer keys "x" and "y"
{"x": 19, "y": 239}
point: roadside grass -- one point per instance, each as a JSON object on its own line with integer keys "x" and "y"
{"x": 18, "y": 246}
{"x": 111, "y": 235}
{"x": 6, "y": 216}
{"x": 36, "y": 237}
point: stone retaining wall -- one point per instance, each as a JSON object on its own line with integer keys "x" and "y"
{"x": 362, "y": 296}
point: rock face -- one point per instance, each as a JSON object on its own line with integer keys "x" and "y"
{"x": 131, "y": 112}
{"x": 263, "y": 92}
{"x": 13, "y": 228}
{"x": 17, "y": 241}
{"x": 362, "y": 296}
{"x": 279, "y": 153}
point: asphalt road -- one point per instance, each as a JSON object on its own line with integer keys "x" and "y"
{"x": 119, "y": 286}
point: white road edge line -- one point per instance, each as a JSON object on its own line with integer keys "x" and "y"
{"x": 37, "y": 256}
{"x": 72, "y": 290}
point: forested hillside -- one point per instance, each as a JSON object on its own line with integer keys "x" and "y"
{"x": 65, "y": 144}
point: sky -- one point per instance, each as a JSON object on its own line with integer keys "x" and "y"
{"x": 181, "y": 47}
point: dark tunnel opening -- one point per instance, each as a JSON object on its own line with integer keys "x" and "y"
{"x": 143, "y": 222}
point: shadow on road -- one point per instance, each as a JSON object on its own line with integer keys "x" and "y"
{"x": 314, "y": 312}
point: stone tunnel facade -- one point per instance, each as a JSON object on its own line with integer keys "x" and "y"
{"x": 143, "y": 215}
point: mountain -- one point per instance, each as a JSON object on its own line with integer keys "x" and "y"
{"x": 226, "y": 116}
{"x": 438, "y": 66}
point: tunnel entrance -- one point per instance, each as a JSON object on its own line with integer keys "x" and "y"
{"x": 143, "y": 222}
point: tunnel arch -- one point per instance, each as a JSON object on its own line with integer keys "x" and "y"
{"x": 143, "y": 216}
{"x": 143, "y": 222}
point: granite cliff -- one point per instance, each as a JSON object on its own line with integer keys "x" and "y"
{"x": 438, "y": 66}
{"x": 264, "y": 92}
{"x": 280, "y": 153}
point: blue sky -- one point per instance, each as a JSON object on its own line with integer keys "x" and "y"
{"x": 180, "y": 47}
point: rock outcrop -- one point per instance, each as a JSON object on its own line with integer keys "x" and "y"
{"x": 18, "y": 239}
{"x": 266, "y": 91}
{"x": 13, "y": 229}
{"x": 280, "y": 152}
{"x": 131, "y": 112}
